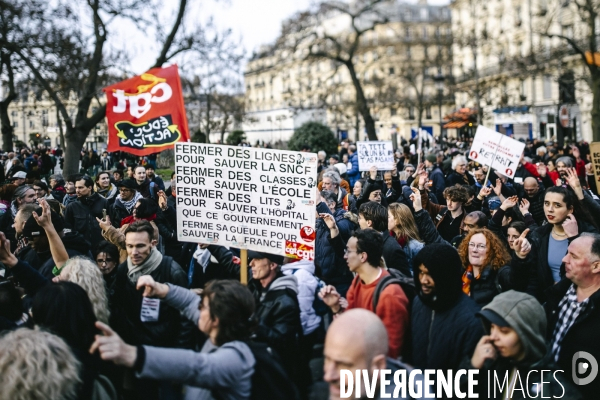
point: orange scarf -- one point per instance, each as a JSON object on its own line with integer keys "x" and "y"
{"x": 467, "y": 278}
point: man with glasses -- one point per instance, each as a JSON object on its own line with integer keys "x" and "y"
{"x": 124, "y": 202}
{"x": 363, "y": 254}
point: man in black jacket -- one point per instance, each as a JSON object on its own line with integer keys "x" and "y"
{"x": 81, "y": 215}
{"x": 137, "y": 320}
{"x": 124, "y": 202}
{"x": 375, "y": 216}
{"x": 573, "y": 311}
{"x": 445, "y": 329}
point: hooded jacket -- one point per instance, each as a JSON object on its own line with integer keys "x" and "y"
{"x": 304, "y": 271}
{"x": 444, "y": 327}
{"x": 526, "y": 316}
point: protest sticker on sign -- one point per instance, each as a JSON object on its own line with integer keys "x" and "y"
{"x": 496, "y": 150}
{"x": 145, "y": 114}
{"x": 595, "y": 153}
{"x": 248, "y": 198}
{"x": 379, "y": 154}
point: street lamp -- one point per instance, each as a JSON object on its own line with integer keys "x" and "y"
{"x": 439, "y": 84}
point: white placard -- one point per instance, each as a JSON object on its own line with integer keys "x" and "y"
{"x": 379, "y": 154}
{"x": 248, "y": 198}
{"x": 496, "y": 150}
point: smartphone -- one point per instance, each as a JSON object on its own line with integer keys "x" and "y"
{"x": 104, "y": 213}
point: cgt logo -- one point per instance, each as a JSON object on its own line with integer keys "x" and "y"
{"x": 582, "y": 364}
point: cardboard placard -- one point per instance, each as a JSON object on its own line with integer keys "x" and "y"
{"x": 595, "y": 153}
{"x": 248, "y": 198}
{"x": 496, "y": 150}
{"x": 379, "y": 154}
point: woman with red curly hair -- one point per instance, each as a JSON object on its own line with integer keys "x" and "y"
{"x": 488, "y": 267}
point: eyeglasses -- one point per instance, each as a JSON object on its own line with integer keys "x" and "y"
{"x": 410, "y": 171}
{"x": 477, "y": 246}
{"x": 124, "y": 189}
{"x": 346, "y": 251}
{"x": 376, "y": 194}
{"x": 108, "y": 260}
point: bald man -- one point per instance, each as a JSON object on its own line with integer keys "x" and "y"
{"x": 357, "y": 339}
{"x": 535, "y": 196}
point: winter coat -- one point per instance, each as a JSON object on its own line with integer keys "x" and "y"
{"x": 332, "y": 268}
{"x": 427, "y": 230}
{"x": 6, "y": 226}
{"x": 491, "y": 283}
{"x": 456, "y": 178}
{"x": 524, "y": 315}
{"x": 411, "y": 249}
{"x": 582, "y": 336}
{"x": 393, "y": 254}
{"x": 438, "y": 182}
{"x": 171, "y": 329}
{"x": 158, "y": 182}
{"x": 81, "y": 216}
{"x": 226, "y": 370}
{"x": 116, "y": 212}
{"x": 278, "y": 315}
{"x": 304, "y": 271}
{"x": 353, "y": 172}
{"x": 542, "y": 279}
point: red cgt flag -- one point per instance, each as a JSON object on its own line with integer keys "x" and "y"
{"x": 145, "y": 114}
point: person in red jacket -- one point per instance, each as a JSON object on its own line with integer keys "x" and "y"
{"x": 363, "y": 256}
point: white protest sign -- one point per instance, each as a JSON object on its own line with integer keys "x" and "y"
{"x": 379, "y": 154}
{"x": 496, "y": 150}
{"x": 248, "y": 198}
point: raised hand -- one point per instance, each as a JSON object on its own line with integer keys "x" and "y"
{"x": 419, "y": 170}
{"x": 570, "y": 226}
{"x": 485, "y": 191}
{"x": 44, "y": 220}
{"x": 542, "y": 169}
{"x": 329, "y": 221}
{"x": 498, "y": 187}
{"x": 415, "y": 197}
{"x": 151, "y": 287}
{"x": 373, "y": 172}
{"x": 394, "y": 169}
{"x": 522, "y": 246}
{"x": 422, "y": 179}
{"x": 573, "y": 181}
{"x": 112, "y": 347}
{"x": 6, "y": 256}
{"x": 162, "y": 200}
{"x": 524, "y": 206}
{"x": 509, "y": 202}
{"x": 104, "y": 223}
{"x": 330, "y": 297}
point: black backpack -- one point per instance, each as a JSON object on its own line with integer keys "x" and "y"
{"x": 269, "y": 381}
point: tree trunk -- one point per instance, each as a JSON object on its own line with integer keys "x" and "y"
{"x": 75, "y": 141}
{"x": 596, "y": 107}
{"x": 361, "y": 104}
{"x": 7, "y": 129}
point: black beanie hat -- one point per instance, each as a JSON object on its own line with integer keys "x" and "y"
{"x": 32, "y": 229}
{"x": 445, "y": 268}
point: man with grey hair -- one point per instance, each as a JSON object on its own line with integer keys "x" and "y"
{"x": 22, "y": 195}
{"x": 573, "y": 311}
{"x": 57, "y": 187}
{"x": 459, "y": 174}
{"x": 331, "y": 182}
{"x": 356, "y": 340}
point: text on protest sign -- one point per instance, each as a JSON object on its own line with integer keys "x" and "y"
{"x": 595, "y": 153}
{"x": 379, "y": 154}
{"x": 145, "y": 114}
{"x": 248, "y": 198}
{"x": 496, "y": 150}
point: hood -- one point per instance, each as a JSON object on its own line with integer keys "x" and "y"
{"x": 445, "y": 268}
{"x": 285, "y": 282}
{"x": 306, "y": 265}
{"x": 526, "y": 316}
{"x": 75, "y": 241}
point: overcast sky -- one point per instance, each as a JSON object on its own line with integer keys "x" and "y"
{"x": 254, "y": 22}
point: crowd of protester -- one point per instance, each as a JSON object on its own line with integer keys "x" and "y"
{"x": 440, "y": 264}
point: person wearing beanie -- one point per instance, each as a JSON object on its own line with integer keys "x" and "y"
{"x": 514, "y": 346}
{"x": 436, "y": 177}
{"x": 444, "y": 327}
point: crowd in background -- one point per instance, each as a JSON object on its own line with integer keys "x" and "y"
{"x": 435, "y": 263}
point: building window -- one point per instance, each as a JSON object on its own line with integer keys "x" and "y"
{"x": 31, "y": 124}
{"x": 390, "y": 50}
{"x": 428, "y": 112}
{"x": 13, "y": 114}
{"x": 411, "y": 112}
{"x": 424, "y": 14}
{"x": 392, "y": 71}
{"x": 424, "y": 32}
{"x": 408, "y": 52}
{"x": 547, "y": 87}
{"x": 393, "y": 111}
{"x": 15, "y": 124}
{"x": 408, "y": 33}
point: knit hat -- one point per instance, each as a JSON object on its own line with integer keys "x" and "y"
{"x": 431, "y": 158}
{"x": 445, "y": 268}
{"x": 32, "y": 229}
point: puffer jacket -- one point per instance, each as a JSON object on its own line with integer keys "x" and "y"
{"x": 171, "y": 330}
{"x": 353, "y": 172}
{"x": 330, "y": 266}
{"x": 538, "y": 372}
{"x": 304, "y": 271}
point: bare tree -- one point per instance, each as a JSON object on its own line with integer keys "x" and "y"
{"x": 308, "y": 36}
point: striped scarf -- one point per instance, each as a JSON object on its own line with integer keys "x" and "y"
{"x": 467, "y": 278}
